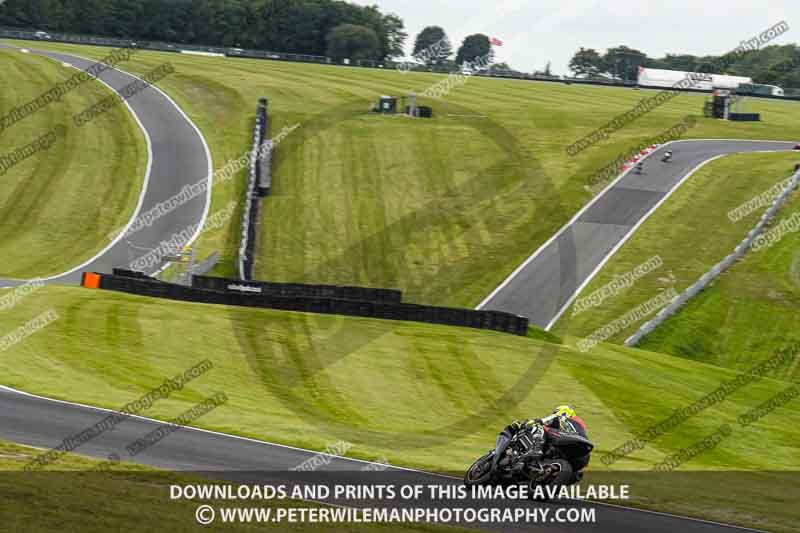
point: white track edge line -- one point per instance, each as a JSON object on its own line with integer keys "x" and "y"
{"x": 146, "y": 182}
{"x": 633, "y": 230}
{"x": 210, "y": 168}
{"x": 210, "y": 431}
{"x": 626, "y": 237}
{"x": 561, "y": 230}
{"x": 312, "y": 452}
{"x": 690, "y": 518}
{"x": 595, "y": 199}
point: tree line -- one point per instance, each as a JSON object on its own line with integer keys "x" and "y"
{"x": 432, "y": 48}
{"x": 772, "y": 65}
{"x": 331, "y": 28}
{"x": 316, "y": 27}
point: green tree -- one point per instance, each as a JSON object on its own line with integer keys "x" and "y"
{"x": 586, "y": 62}
{"x": 500, "y": 67}
{"x": 624, "y": 62}
{"x": 682, "y": 62}
{"x": 296, "y": 26}
{"x": 353, "y": 42}
{"x": 432, "y": 46}
{"x": 475, "y": 47}
{"x": 123, "y": 18}
{"x": 394, "y": 36}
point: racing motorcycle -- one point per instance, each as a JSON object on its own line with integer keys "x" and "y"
{"x": 538, "y": 455}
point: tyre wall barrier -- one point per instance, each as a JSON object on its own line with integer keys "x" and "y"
{"x": 292, "y": 290}
{"x": 489, "y": 320}
{"x": 717, "y": 270}
{"x": 745, "y": 117}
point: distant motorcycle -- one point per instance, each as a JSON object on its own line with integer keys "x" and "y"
{"x": 557, "y": 461}
{"x": 667, "y": 157}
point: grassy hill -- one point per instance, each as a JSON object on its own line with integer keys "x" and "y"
{"x": 746, "y": 315}
{"x": 305, "y": 379}
{"x": 57, "y": 206}
{"x": 444, "y": 208}
{"x": 309, "y": 380}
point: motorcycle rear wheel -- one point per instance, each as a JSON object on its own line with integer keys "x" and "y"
{"x": 563, "y": 477}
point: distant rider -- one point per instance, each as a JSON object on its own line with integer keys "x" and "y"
{"x": 564, "y": 418}
{"x": 667, "y": 156}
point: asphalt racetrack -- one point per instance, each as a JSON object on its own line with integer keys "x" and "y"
{"x": 44, "y": 423}
{"x": 179, "y": 157}
{"x": 546, "y": 283}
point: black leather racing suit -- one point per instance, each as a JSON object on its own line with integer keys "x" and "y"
{"x": 512, "y": 429}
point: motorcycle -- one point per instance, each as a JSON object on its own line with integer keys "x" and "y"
{"x": 538, "y": 456}
{"x": 667, "y": 157}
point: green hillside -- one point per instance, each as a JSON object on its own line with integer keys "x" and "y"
{"x": 444, "y": 208}
{"x": 310, "y": 380}
{"x": 746, "y": 315}
{"x": 58, "y": 205}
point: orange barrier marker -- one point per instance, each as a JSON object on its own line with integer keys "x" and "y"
{"x": 91, "y": 280}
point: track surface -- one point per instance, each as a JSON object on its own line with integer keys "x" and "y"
{"x": 178, "y": 157}
{"x": 45, "y": 423}
{"x": 547, "y": 282}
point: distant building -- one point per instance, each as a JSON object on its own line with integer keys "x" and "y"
{"x": 757, "y": 88}
{"x": 653, "y": 77}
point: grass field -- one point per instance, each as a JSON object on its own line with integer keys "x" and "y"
{"x": 57, "y": 206}
{"x": 306, "y": 379}
{"x": 746, "y": 314}
{"x": 310, "y": 380}
{"x": 751, "y": 310}
{"x": 445, "y": 208}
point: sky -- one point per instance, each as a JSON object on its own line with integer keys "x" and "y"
{"x": 535, "y": 32}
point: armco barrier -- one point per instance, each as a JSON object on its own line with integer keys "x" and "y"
{"x": 294, "y": 290}
{"x": 707, "y": 278}
{"x": 252, "y": 207}
{"x": 490, "y": 320}
{"x": 266, "y": 149}
{"x": 131, "y": 274}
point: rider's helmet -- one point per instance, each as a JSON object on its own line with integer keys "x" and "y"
{"x": 564, "y": 411}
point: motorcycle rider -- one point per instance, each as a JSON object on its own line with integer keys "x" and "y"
{"x": 563, "y": 418}
{"x": 667, "y": 156}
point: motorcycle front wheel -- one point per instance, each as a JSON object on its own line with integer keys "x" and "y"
{"x": 480, "y": 472}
